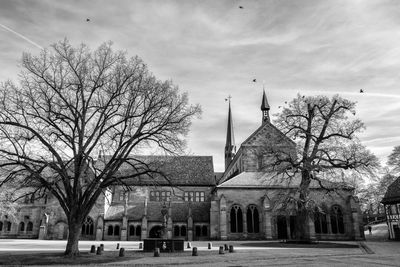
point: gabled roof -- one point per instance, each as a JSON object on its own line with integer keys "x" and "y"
{"x": 392, "y": 194}
{"x": 178, "y": 170}
{"x": 265, "y": 125}
{"x": 273, "y": 180}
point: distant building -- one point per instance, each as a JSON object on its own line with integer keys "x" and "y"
{"x": 391, "y": 202}
{"x": 244, "y": 202}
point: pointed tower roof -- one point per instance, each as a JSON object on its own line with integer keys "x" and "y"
{"x": 264, "y": 103}
{"x": 230, "y": 139}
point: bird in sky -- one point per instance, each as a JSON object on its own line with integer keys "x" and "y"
{"x": 361, "y": 91}
{"x": 254, "y": 80}
{"x": 87, "y": 20}
{"x": 241, "y": 7}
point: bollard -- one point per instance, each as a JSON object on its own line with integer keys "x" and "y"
{"x": 194, "y": 251}
{"x": 140, "y": 246}
{"x": 122, "y": 252}
{"x": 157, "y": 252}
{"x": 230, "y": 248}
{"x": 102, "y": 247}
{"x": 188, "y": 245}
{"x": 99, "y": 251}
{"x": 117, "y": 245}
{"x": 209, "y": 245}
{"x": 221, "y": 250}
{"x": 226, "y": 246}
{"x": 93, "y": 249}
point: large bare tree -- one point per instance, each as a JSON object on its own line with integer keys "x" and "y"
{"x": 71, "y": 104}
{"x": 324, "y": 130}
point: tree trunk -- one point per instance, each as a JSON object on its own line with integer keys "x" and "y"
{"x": 303, "y": 215}
{"x": 72, "y": 248}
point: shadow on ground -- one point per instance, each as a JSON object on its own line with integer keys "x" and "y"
{"x": 299, "y": 245}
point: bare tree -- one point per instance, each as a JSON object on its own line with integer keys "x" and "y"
{"x": 394, "y": 160}
{"x": 70, "y": 105}
{"x": 326, "y": 141}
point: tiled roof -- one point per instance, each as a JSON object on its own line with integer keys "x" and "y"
{"x": 392, "y": 194}
{"x": 272, "y": 180}
{"x": 178, "y": 170}
{"x": 179, "y": 210}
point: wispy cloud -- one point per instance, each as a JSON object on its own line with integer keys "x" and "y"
{"x": 21, "y": 36}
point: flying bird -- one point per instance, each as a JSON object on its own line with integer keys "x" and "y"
{"x": 254, "y": 80}
{"x": 87, "y": 20}
{"x": 361, "y": 91}
{"x": 241, "y": 7}
{"x": 285, "y": 102}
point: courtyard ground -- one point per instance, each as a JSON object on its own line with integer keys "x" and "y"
{"x": 375, "y": 251}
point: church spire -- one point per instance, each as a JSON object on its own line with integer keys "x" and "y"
{"x": 265, "y": 108}
{"x": 230, "y": 148}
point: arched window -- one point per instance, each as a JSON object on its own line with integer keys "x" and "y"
{"x": 198, "y": 230}
{"x": 29, "y": 227}
{"x": 204, "y": 230}
{"x": 21, "y": 226}
{"x": 1, "y": 226}
{"x": 131, "y": 230}
{"x": 337, "y": 220}
{"x": 116, "y": 230}
{"x": 138, "y": 230}
{"x": 236, "y": 219}
{"x": 176, "y": 230}
{"x": 320, "y": 222}
{"x": 8, "y": 226}
{"x": 183, "y": 230}
{"x": 253, "y": 224}
{"x": 110, "y": 230}
{"x": 88, "y": 227}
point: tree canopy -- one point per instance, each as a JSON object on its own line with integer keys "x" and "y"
{"x": 325, "y": 132}
{"x": 72, "y": 104}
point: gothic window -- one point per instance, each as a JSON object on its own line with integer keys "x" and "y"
{"x": 110, "y": 230}
{"x": 204, "y": 230}
{"x": 131, "y": 230}
{"x": 29, "y": 227}
{"x": 236, "y": 219}
{"x": 252, "y": 216}
{"x": 138, "y": 230}
{"x": 21, "y": 226}
{"x": 176, "y": 230}
{"x": 320, "y": 222}
{"x": 1, "y": 226}
{"x": 116, "y": 230}
{"x": 337, "y": 220}
{"x": 88, "y": 227}
{"x": 183, "y": 230}
{"x": 198, "y": 230}
{"x": 121, "y": 196}
{"x": 8, "y": 226}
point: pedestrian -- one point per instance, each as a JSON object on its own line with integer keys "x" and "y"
{"x": 370, "y": 229}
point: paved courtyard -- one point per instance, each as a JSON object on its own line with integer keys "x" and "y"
{"x": 375, "y": 251}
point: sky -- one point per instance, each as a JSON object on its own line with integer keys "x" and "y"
{"x": 214, "y": 49}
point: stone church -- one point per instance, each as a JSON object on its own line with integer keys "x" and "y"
{"x": 195, "y": 203}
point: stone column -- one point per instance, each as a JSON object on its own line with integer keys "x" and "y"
{"x": 311, "y": 228}
{"x": 144, "y": 228}
{"x": 124, "y": 234}
{"x": 222, "y": 219}
{"x": 267, "y": 227}
{"x": 99, "y": 228}
{"x": 169, "y": 223}
{"x": 329, "y": 223}
{"x": 288, "y": 227}
{"x": 214, "y": 213}
{"x": 355, "y": 210}
{"x": 190, "y": 228}
{"x": 244, "y": 214}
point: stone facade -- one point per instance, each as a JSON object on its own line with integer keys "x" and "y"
{"x": 195, "y": 203}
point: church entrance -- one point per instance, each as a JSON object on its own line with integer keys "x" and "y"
{"x": 282, "y": 227}
{"x": 155, "y": 232}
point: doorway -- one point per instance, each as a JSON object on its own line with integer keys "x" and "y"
{"x": 282, "y": 227}
{"x": 155, "y": 232}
